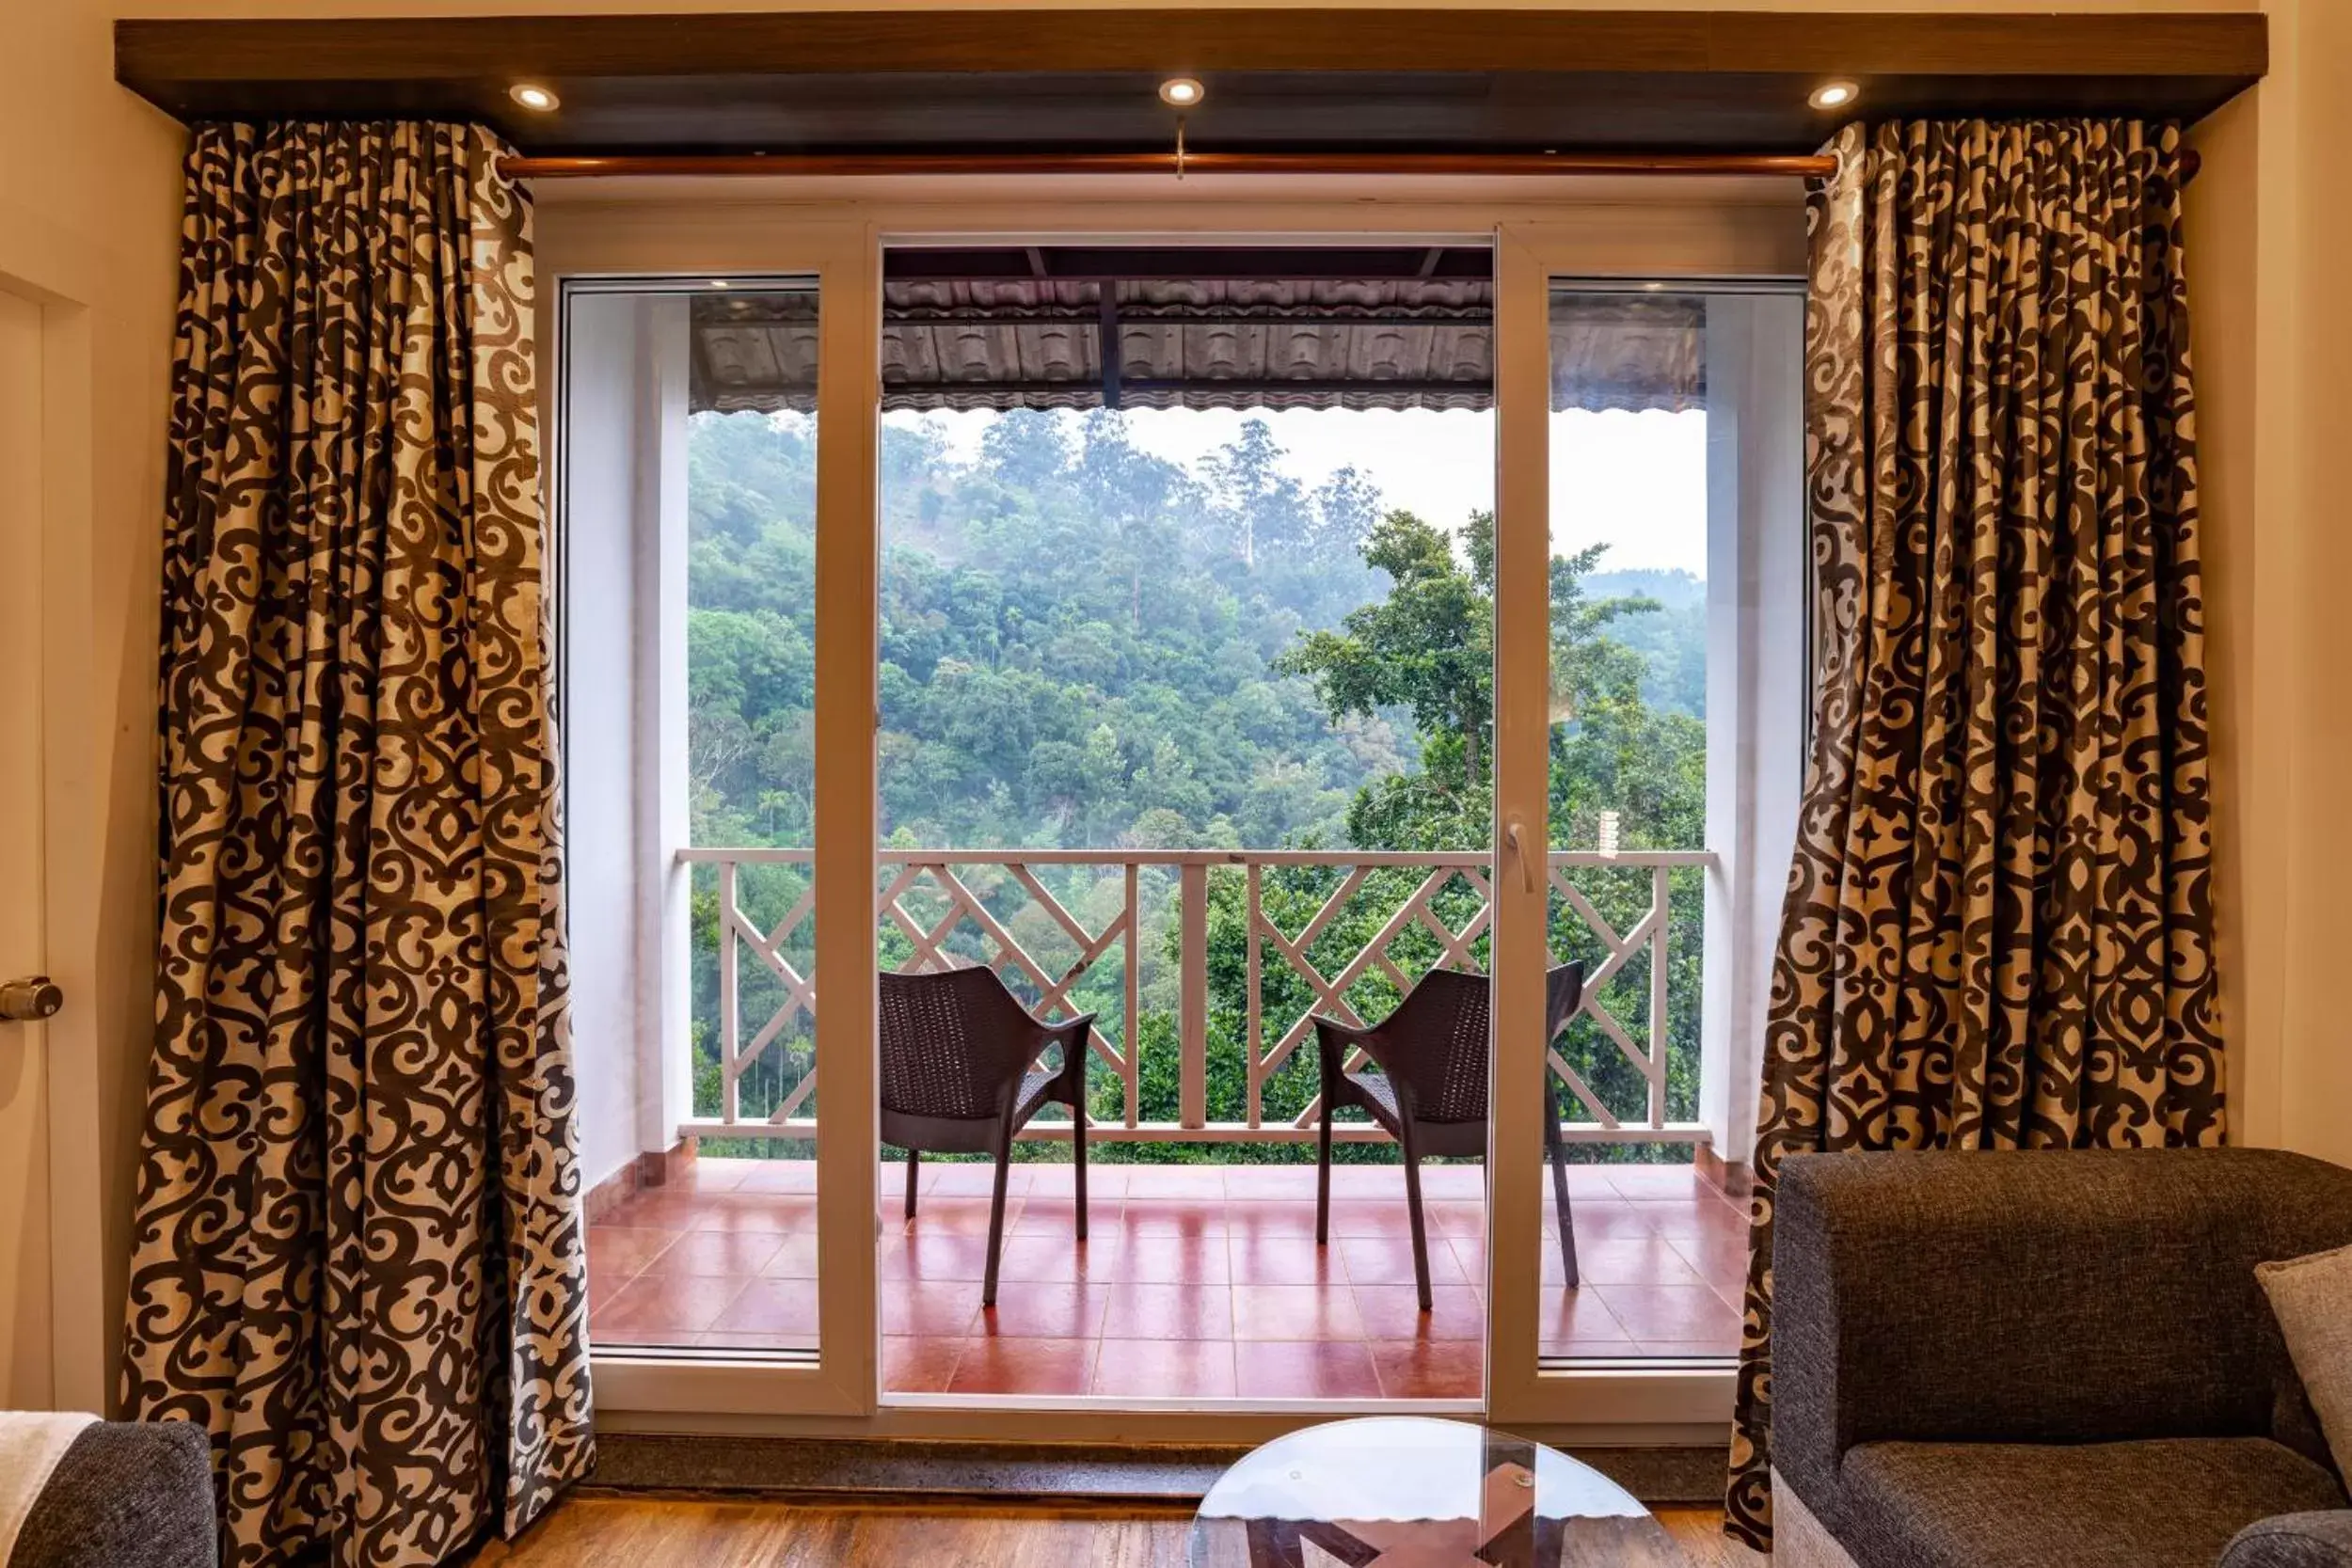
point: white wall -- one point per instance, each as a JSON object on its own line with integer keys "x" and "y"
{"x": 624, "y": 551}
{"x": 1757, "y": 675}
{"x": 601, "y": 725}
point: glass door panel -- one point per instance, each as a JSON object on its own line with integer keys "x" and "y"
{"x": 688, "y": 509}
{"x": 1675, "y": 617}
{"x": 1186, "y": 688}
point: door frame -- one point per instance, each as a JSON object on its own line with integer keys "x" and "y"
{"x": 1647, "y": 227}
{"x": 65, "y": 281}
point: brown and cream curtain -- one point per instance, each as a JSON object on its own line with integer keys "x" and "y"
{"x": 1998, "y": 931}
{"x": 357, "y": 1254}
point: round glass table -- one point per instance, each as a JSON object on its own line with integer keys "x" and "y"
{"x": 1430, "y": 1494}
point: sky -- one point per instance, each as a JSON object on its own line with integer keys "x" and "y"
{"x": 1636, "y": 482}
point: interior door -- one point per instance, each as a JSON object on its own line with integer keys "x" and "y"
{"x": 25, "y": 1379}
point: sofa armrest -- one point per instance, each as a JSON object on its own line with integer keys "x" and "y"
{"x": 126, "y": 1495}
{"x": 2047, "y": 1296}
{"x": 2293, "y": 1541}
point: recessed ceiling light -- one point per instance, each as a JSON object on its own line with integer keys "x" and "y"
{"x": 1834, "y": 95}
{"x": 532, "y": 96}
{"x": 1182, "y": 91}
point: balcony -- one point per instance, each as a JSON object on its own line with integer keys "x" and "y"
{"x": 1201, "y": 1279}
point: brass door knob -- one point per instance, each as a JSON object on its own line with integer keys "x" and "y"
{"x": 30, "y": 1000}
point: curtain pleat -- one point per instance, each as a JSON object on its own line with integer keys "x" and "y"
{"x": 357, "y": 1257}
{"x": 1998, "y": 929}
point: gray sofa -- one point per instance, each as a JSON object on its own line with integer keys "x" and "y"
{"x": 2047, "y": 1358}
{"x": 126, "y": 1495}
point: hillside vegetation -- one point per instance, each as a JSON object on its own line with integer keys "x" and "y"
{"x": 1084, "y": 645}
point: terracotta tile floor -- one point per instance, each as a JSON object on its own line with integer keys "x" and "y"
{"x": 1196, "y": 1281}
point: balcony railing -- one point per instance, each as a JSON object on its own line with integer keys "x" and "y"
{"x": 941, "y": 908}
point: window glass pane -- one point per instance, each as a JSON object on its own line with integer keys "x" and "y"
{"x": 1676, "y": 551}
{"x": 689, "y": 503}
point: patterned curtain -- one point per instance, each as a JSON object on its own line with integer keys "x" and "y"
{"x": 358, "y": 1258}
{"x": 1998, "y": 931}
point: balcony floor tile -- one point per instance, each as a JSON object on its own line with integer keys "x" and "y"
{"x": 1023, "y": 1367}
{"x": 1038, "y": 1311}
{"x": 1271, "y": 1369}
{"x": 1165, "y": 1368}
{"x": 1394, "y": 1312}
{"x": 1430, "y": 1368}
{"x": 1198, "y": 1282}
{"x": 1294, "y": 1312}
{"x": 911, "y": 1365}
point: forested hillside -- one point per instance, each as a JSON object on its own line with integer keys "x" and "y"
{"x": 1084, "y": 645}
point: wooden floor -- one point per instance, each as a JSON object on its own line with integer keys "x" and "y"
{"x": 593, "y": 1530}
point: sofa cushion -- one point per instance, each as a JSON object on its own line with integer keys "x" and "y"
{"x": 125, "y": 1496}
{"x": 2312, "y": 1299}
{"x": 2293, "y": 1541}
{"x": 2089, "y": 1505}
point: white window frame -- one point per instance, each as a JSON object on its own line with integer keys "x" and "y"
{"x": 1648, "y": 227}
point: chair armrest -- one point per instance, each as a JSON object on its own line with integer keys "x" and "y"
{"x": 2293, "y": 1541}
{"x": 2046, "y": 1296}
{"x": 1071, "y": 1033}
{"x": 1332, "y": 1041}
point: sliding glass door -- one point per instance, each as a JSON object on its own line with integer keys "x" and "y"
{"x": 1649, "y": 704}
{"x": 717, "y": 562}
{"x": 1239, "y": 632}
{"x": 1185, "y": 695}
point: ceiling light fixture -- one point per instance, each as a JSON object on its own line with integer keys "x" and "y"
{"x": 532, "y": 96}
{"x": 1834, "y": 95}
{"x": 1181, "y": 92}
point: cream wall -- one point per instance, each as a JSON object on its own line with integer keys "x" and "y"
{"x": 88, "y": 209}
{"x": 2270, "y": 232}
{"x": 2306, "y": 322}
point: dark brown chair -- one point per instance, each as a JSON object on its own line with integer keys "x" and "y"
{"x": 1430, "y": 1093}
{"x": 960, "y": 1076}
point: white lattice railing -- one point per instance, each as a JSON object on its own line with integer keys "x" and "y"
{"x": 929, "y": 900}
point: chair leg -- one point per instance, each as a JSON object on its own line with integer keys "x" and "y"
{"x": 1078, "y": 1156}
{"x": 1323, "y": 1176}
{"x": 996, "y": 1216}
{"x": 913, "y": 1160}
{"x": 1555, "y": 1149}
{"x": 1412, "y": 1200}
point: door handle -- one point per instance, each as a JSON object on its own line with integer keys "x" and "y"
{"x": 1515, "y": 839}
{"x": 30, "y": 1000}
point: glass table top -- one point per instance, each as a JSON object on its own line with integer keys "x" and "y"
{"x": 1430, "y": 1494}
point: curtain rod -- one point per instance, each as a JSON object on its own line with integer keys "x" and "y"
{"x": 1177, "y": 162}
{"x": 801, "y": 164}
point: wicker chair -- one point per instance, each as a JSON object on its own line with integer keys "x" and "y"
{"x": 1430, "y": 1093}
{"x": 959, "y": 1076}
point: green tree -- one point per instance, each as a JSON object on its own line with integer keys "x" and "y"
{"x": 1427, "y": 647}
